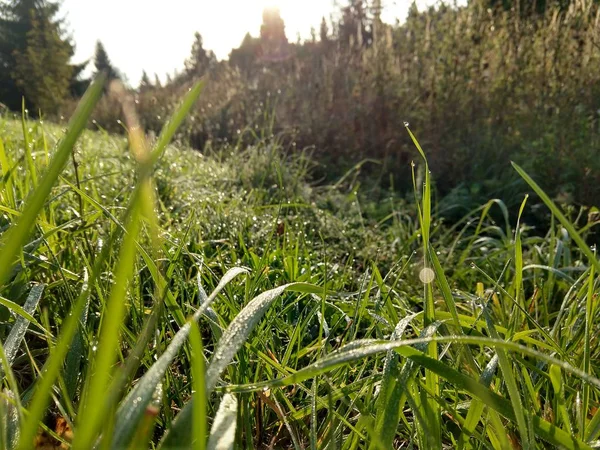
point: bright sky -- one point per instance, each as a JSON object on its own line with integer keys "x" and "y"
{"x": 157, "y": 35}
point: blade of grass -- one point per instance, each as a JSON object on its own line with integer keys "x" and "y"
{"x": 431, "y": 379}
{"x": 19, "y": 328}
{"x": 15, "y": 419}
{"x": 589, "y": 336}
{"x": 19, "y": 311}
{"x": 14, "y": 239}
{"x": 77, "y": 350}
{"x": 58, "y": 353}
{"x": 222, "y": 432}
{"x": 393, "y": 388}
{"x": 518, "y": 283}
{"x": 7, "y": 176}
{"x": 94, "y": 408}
{"x": 511, "y": 383}
{"x": 175, "y": 121}
{"x": 559, "y": 394}
{"x": 477, "y": 406}
{"x": 198, "y": 381}
{"x": 585, "y": 249}
{"x": 359, "y": 350}
{"x": 179, "y": 435}
{"x": 132, "y": 407}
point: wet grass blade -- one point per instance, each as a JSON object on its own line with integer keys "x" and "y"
{"x": 19, "y": 328}
{"x": 94, "y": 409}
{"x": 12, "y": 405}
{"x": 431, "y": 380}
{"x": 198, "y": 381}
{"x": 14, "y": 239}
{"x": 394, "y": 388}
{"x": 511, "y": 383}
{"x": 477, "y": 406}
{"x": 132, "y": 408}
{"x": 585, "y": 249}
{"x": 359, "y": 350}
{"x": 77, "y": 350}
{"x": 179, "y": 436}
{"x": 9, "y": 420}
{"x": 7, "y": 181}
{"x": 175, "y": 122}
{"x": 19, "y": 311}
{"x": 222, "y": 432}
{"x": 591, "y": 300}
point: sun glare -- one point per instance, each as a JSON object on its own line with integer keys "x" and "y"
{"x": 265, "y": 4}
{"x": 297, "y": 16}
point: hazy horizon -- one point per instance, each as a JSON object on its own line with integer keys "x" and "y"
{"x": 145, "y": 35}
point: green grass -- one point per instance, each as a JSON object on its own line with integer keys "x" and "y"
{"x": 155, "y": 297}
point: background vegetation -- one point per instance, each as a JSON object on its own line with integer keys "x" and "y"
{"x": 484, "y": 84}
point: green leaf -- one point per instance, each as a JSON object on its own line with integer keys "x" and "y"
{"x": 10, "y": 412}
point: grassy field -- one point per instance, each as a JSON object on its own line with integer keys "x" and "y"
{"x": 155, "y": 297}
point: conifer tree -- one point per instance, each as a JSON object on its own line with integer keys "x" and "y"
{"x": 200, "y": 60}
{"x": 244, "y": 57}
{"x": 145, "y": 82}
{"x": 157, "y": 82}
{"x": 79, "y": 84}
{"x": 34, "y": 55}
{"x": 103, "y": 64}
{"x": 324, "y": 31}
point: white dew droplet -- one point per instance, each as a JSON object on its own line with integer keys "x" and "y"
{"x": 426, "y": 275}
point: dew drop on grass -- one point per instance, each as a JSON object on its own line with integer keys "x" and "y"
{"x": 406, "y": 124}
{"x": 426, "y": 275}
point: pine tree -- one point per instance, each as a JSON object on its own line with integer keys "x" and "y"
{"x": 244, "y": 57}
{"x": 145, "y": 82}
{"x": 355, "y": 26}
{"x": 102, "y": 63}
{"x": 324, "y": 31}
{"x": 34, "y": 55}
{"x": 200, "y": 60}
{"x": 157, "y": 82}
{"x": 79, "y": 84}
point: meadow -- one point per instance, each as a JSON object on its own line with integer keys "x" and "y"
{"x": 158, "y": 297}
